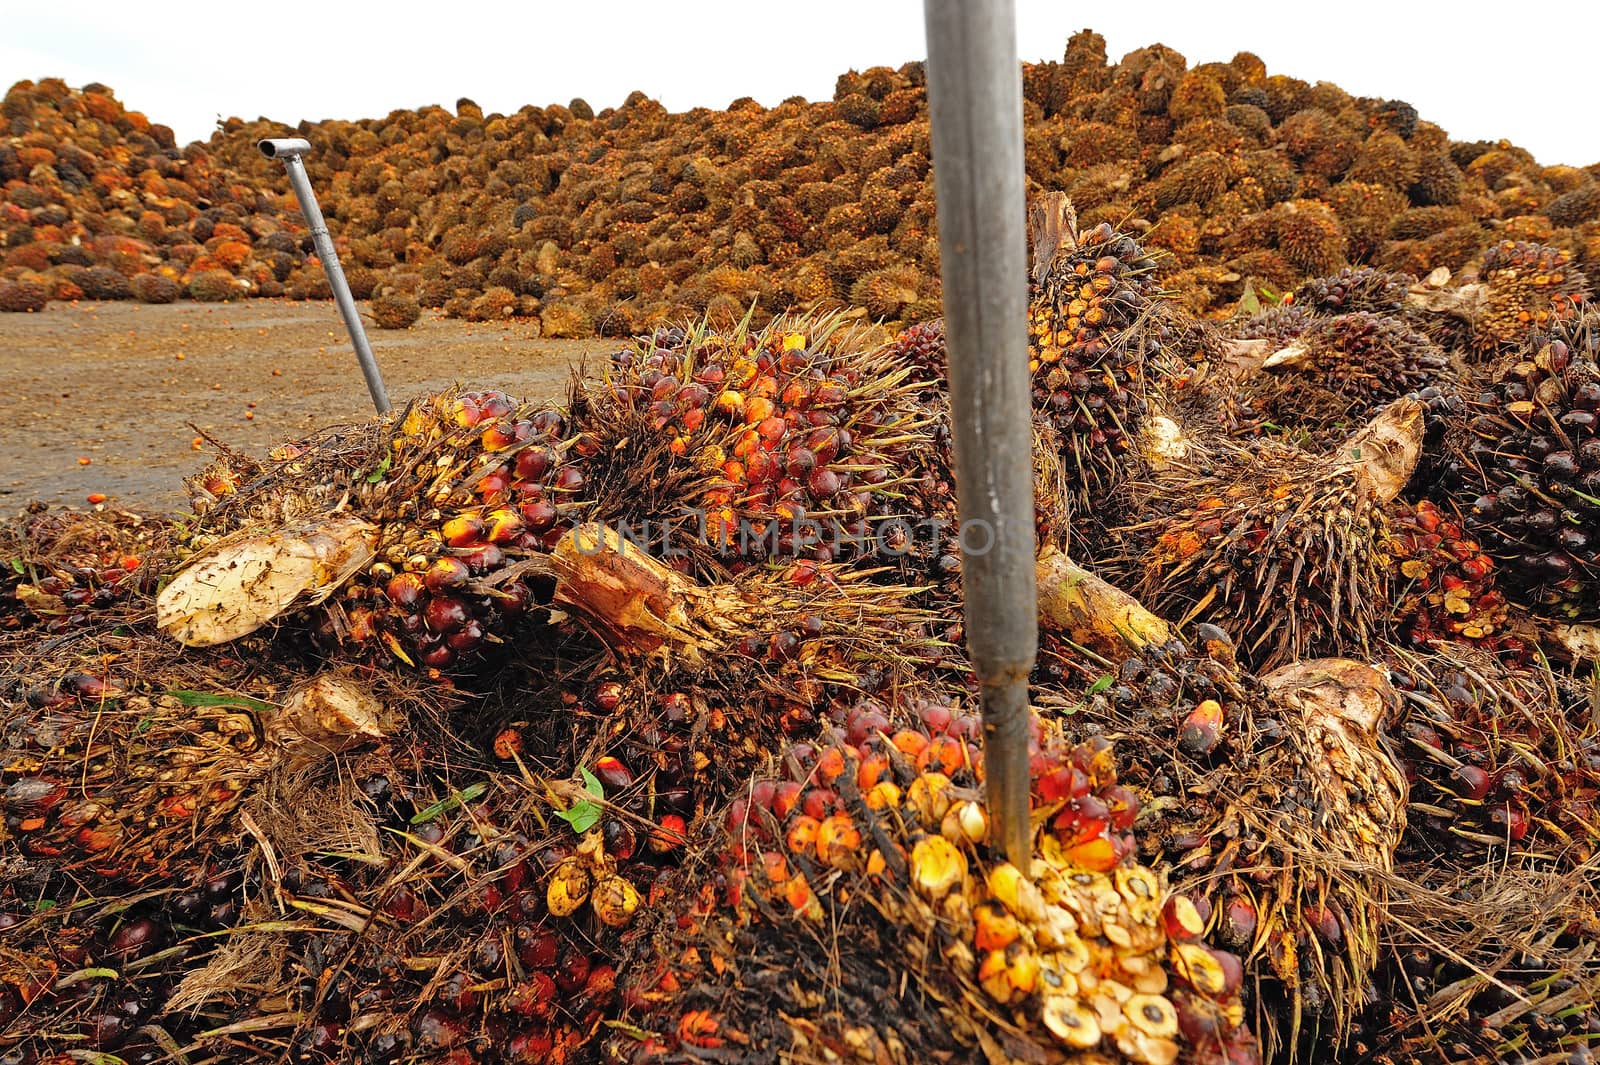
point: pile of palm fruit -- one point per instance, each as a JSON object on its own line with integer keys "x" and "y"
{"x": 637, "y": 728}
{"x": 622, "y": 220}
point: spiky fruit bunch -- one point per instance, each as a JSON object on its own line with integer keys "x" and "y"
{"x": 1340, "y": 370}
{"x": 65, "y": 567}
{"x": 111, "y": 774}
{"x": 1284, "y": 552}
{"x": 1205, "y": 744}
{"x": 799, "y": 441}
{"x": 23, "y": 296}
{"x": 395, "y": 310}
{"x": 1500, "y": 758}
{"x": 922, "y": 347}
{"x": 1280, "y": 324}
{"x": 1096, "y": 330}
{"x": 463, "y": 485}
{"x": 1362, "y": 288}
{"x": 885, "y": 841}
{"x": 1488, "y": 963}
{"x": 1445, "y": 584}
{"x": 1527, "y": 287}
{"x": 1530, "y": 473}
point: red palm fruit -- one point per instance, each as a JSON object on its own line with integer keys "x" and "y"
{"x": 1323, "y": 921}
{"x": 665, "y": 387}
{"x": 1201, "y": 731}
{"x": 612, "y": 773}
{"x": 819, "y": 802}
{"x": 829, "y": 393}
{"x": 445, "y": 613}
{"x": 693, "y": 396}
{"x": 1511, "y": 819}
{"x": 1471, "y": 782}
{"x": 1181, "y": 918}
{"x": 136, "y": 938}
{"x": 936, "y": 718}
{"x": 533, "y": 463}
{"x": 469, "y": 637}
{"x": 461, "y": 530}
{"x": 824, "y": 483}
{"x": 1238, "y": 925}
{"x": 466, "y": 412}
{"x": 692, "y": 419}
{"x": 573, "y": 974}
{"x": 1063, "y": 782}
{"x": 799, "y": 463}
{"x": 863, "y": 724}
{"x": 824, "y": 443}
{"x": 786, "y": 796}
{"x": 669, "y": 834}
{"x": 569, "y": 479}
{"x": 838, "y": 841}
{"x": 547, "y": 422}
{"x": 502, "y": 525}
{"x": 831, "y": 764}
{"x": 481, "y": 558}
{"x": 796, "y": 394}
{"x": 802, "y": 835}
{"x": 446, "y": 574}
{"x": 757, "y": 409}
{"x": 539, "y": 515}
{"x": 537, "y": 946}
{"x": 762, "y": 793}
{"x": 874, "y": 767}
{"x": 608, "y": 695}
{"x": 492, "y": 486}
{"x": 771, "y": 430}
{"x": 495, "y": 404}
{"x": 945, "y": 754}
{"x": 405, "y": 590}
{"x": 441, "y": 656}
{"x": 1123, "y": 803}
{"x": 711, "y": 375}
{"x": 910, "y": 743}
{"x": 498, "y": 437}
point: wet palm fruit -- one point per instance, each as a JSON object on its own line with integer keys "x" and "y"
{"x": 1361, "y": 288}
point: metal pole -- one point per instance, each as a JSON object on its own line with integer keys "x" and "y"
{"x": 290, "y": 150}
{"x": 975, "y": 102}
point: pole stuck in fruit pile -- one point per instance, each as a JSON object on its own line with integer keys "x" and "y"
{"x": 975, "y": 107}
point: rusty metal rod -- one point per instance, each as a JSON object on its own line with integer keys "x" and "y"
{"x": 290, "y": 149}
{"x": 975, "y": 103}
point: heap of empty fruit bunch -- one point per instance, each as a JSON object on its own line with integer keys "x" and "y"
{"x": 616, "y": 221}
{"x": 449, "y": 772}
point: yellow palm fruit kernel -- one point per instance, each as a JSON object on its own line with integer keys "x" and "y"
{"x": 615, "y": 900}
{"x": 1181, "y": 918}
{"x": 569, "y": 887}
{"x": 965, "y": 822}
{"x": 937, "y": 868}
{"x": 928, "y": 797}
{"x": 1152, "y": 1014}
{"x": 997, "y": 929}
{"x": 1070, "y": 1022}
{"x": 1015, "y": 892}
{"x": 1200, "y": 969}
{"x": 1009, "y": 976}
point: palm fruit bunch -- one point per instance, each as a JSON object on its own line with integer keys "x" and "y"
{"x": 1283, "y": 550}
{"x": 97, "y": 973}
{"x": 1488, "y": 963}
{"x": 1343, "y": 369}
{"x": 1525, "y": 287}
{"x": 1501, "y": 758}
{"x": 64, "y": 568}
{"x": 1445, "y": 586}
{"x": 438, "y": 503}
{"x": 1361, "y": 288}
{"x": 1206, "y": 747}
{"x": 1098, "y": 333}
{"x": 802, "y": 440}
{"x": 922, "y": 347}
{"x": 117, "y": 767}
{"x": 879, "y": 844}
{"x": 1527, "y": 463}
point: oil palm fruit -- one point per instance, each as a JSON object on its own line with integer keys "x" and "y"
{"x": 1284, "y": 551}
{"x": 1100, "y": 338}
{"x": 436, "y": 504}
{"x": 1502, "y": 758}
{"x": 67, "y": 567}
{"x": 1445, "y": 585}
{"x": 1525, "y": 287}
{"x": 799, "y": 441}
{"x": 1341, "y": 370}
{"x": 1202, "y": 743}
{"x": 890, "y": 836}
{"x": 120, "y": 773}
{"x": 1528, "y": 472}
{"x": 1355, "y": 289}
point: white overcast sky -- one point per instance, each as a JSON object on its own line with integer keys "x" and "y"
{"x": 1525, "y": 72}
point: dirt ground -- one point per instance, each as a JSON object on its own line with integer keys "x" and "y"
{"x": 118, "y": 384}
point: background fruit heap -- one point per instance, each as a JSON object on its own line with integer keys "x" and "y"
{"x": 615, "y": 221}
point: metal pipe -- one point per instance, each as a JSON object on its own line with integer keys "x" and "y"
{"x": 975, "y": 103}
{"x": 290, "y": 149}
